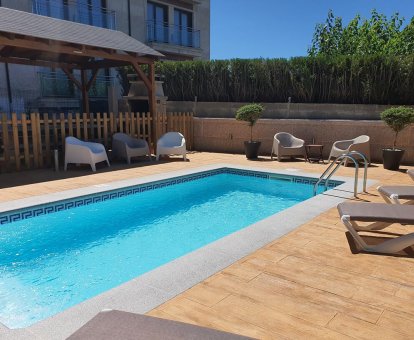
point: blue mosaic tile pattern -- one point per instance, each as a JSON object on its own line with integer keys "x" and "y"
{"x": 22, "y": 214}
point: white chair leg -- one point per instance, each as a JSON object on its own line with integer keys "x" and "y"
{"x": 185, "y": 157}
{"x": 107, "y": 162}
{"x": 65, "y": 168}
{"x": 93, "y": 166}
{"x": 158, "y": 157}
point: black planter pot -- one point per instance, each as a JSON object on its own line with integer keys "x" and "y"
{"x": 251, "y": 149}
{"x": 392, "y": 158}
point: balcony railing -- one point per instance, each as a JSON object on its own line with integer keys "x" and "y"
{"x": 172, "y": 34}
{"x": 78, "y": 11}
{"x": 59, "y": 86}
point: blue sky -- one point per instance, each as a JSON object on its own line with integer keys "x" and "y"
{"x": 282, "y": 28}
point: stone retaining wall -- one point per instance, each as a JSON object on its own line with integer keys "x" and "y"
{"x": 227, "y": 134}
{"x": 283, "y": 110}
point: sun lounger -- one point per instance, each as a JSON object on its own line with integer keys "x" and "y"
{"x": 114, "y": 324}
{"x": 353, "y": 213}
{"x": 393, "y": 193}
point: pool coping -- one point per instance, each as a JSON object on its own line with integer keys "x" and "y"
{"x": 167, "y": 281}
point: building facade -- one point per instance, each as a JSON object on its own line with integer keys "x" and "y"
{"x": 179, "y": 29}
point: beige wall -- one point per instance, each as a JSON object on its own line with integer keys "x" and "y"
{"x": 227, "y": 135}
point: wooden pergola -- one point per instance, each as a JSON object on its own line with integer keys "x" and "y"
{"x": 30, "y": 39}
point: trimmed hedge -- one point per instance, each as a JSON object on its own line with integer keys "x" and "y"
{"x": 342, "y": 79}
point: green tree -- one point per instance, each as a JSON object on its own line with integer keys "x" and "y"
{"x": 377, "y": 35}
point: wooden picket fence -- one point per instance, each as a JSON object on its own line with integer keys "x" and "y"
{"x": 27, "y": 141}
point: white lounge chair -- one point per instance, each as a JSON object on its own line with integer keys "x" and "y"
{"x": 126, "y": 147}
{"x": 381, "y": 215}
{"x": 285, "y": 144}
{"x": 360, "y": 144}
{"x": 80, "y": 152}
{"x": 395, "y": 193}
{"x": 171, "y": 143}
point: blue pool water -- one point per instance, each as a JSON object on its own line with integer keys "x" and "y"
{"x": 54, "y": 261}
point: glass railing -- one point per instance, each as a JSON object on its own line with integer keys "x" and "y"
{"x": 81, "y": 11}
{"x": 57, "y": 85}
{"x": 172, "y": 34}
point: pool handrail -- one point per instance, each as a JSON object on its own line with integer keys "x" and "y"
{"x": 342, "y": 159}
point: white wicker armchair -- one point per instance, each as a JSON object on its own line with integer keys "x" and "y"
{"x": 285, "y": 144}
{"x": 171, "y": 143}
{"x": 80, "y": 152}
{"x": 126, "y": 147}
{"x": 360, "y": 144}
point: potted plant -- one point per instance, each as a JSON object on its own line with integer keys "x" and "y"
{"x": 250, "y": 113}
{"x": 397, "y": 118}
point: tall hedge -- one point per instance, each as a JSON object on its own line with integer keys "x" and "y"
{"x": 342, "y": 79}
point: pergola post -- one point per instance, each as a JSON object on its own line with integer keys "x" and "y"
{"x": 152, "y": 101}
{"x": 149, "y": 82}
{"x": 85, "y": 96}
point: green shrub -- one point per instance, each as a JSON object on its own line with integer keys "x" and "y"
{"x": 398, "y": 118}
{"x": 250, "y": 113}
{"x": 340, "y": 79}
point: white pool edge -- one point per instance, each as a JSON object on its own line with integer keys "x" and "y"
{"x": 149, "y": 290}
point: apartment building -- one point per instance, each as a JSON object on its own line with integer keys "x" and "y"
{"x": 179, "y": 29}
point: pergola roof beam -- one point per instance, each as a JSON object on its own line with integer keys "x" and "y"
{"x": 42, "y": 63}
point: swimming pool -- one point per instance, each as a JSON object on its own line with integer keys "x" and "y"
{"x": 59, "y": 254}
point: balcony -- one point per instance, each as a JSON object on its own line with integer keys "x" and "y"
{"x": 81, "y": 11}
{"x": 57, "y": 85}
{"x": 172, "y": 34}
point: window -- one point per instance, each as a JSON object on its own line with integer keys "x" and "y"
{"x": 183, "y": 28}
{"x": 90, "y": 12}
{"x": 56, "y": 8}
{"x": 157, "y": 22}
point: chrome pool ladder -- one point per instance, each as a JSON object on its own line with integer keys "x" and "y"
{"x": 329, "y": 172}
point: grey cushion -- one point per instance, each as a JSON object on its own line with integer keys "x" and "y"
{"x": 378, "y": 212}
{"x": 403, "y": 191}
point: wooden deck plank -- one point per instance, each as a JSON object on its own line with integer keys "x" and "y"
{"x": 192, "y": 312}
{"x": 398, "y": 322}
{"x": 360, "y": 329}
{"x": 377, "y": 297}
{"x": 277, "y": 322}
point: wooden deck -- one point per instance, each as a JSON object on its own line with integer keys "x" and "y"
{"x": 307, "y": 284}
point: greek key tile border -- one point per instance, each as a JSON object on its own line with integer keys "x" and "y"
{"x": 22, "y": 214}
